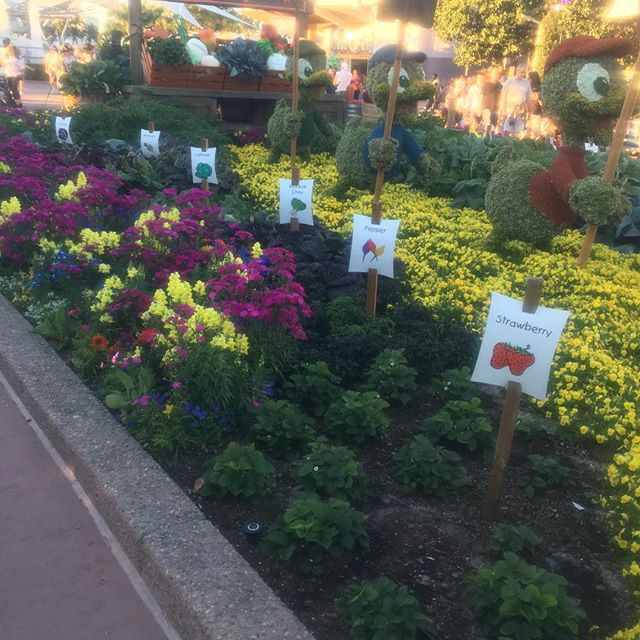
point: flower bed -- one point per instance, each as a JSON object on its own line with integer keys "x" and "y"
{"x": 196, "y": 331}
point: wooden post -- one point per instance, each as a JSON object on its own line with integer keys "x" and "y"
{"x": 205, "y": 182}
{"x": 376, "y": 207}
{"x": 152, "y": 126}
{"x": 509, "y": 417}
{"x": 294, "y": 226}
{"x": 135, "y": 41}
{"x": 614, "y": 154}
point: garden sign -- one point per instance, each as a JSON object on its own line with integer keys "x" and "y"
{"x": 373, "y": 245}
{"x": 203, "y": 165}
{"x": 519, "y": 346}
{"x": 295, "y": 201}
{"x": 63, "y": 130}
{"x": 150, "y": 143}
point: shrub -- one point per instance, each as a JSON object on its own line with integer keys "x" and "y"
{"x": 282, "y": 429}
{"x": 463, "y": 422}
{"x": 312, "y": 530}
{"x": 331, "y": 472}
{"x": 454, "y": 384}
{"x": 315, "y": 387}
{"x": 239, "y": 471}
{"x": 544, "y": 471}
{"x": 95, "y": 80}
{"x": 507, "y": 537}
{"x": 357, "y": 417}
{"x": 382, "y": 610}
{"x": 391, "y": 376}
{"x": 520, "y": 601}
{"x": 425, "y": 467}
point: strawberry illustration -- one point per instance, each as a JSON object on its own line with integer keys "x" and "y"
{"x": 499, "y": 357}
{"x": 519, "y": 359}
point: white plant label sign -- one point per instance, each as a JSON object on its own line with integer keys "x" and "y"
{"x": 150, "y": 143}
{"x": 519, "y": 346}
{"x": 295, "y": 202}
{"x": 63, "y": 130}
{"x": 373, "y": 245}
{"x": 203, "y": 165}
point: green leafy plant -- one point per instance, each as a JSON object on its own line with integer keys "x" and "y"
{"x": 171, "y": 51}
{"x": 392, "y": 377}
{"x": 543, "y": 472}
{"x": 357, "y": 416}
{"x": 282, "y": 429}
{"x": 507, "y": 537}
{"x": 454, "y": 384}
{"x": 331, "y": 472}
{"x": 382, "y": 610}
{"x": 312, "y": 531}
{"x": 534, "y": 427}
{"x": 314, "y": 387}
{"x": 425, "y": 467}
{"x": 58, "y": 328}
{"x": 244, "y": 59}
{"x": 121, "y": 387}
{"x": 520, "y": 601}
{"x": 96, "y": 80}
{"x": 239, "y": 470}
{"x": 463, "y": 422}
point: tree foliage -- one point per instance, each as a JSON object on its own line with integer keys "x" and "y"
{"x": 485, "y": 31}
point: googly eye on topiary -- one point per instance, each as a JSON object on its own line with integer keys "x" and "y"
{"x": 305, "y": 70}
{"x": 404, "y": 81}
{"x": 593, "y": 81}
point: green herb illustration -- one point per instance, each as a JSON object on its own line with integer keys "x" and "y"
{"x": 203, "y": 170}
{"x": 296, "y": 206}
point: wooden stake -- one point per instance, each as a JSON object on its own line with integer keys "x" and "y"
{"x": 294, "y": 225}
{"x": 205, "y": 182}
{"x": 151, "y": 126}
{"x": 376, "y": 207}
{"x": 509, "y": 417}
{"x": 614, "y": 154}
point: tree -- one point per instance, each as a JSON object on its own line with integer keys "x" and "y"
{"x": 485, "y": 31}
{"x": 578, "y": 17}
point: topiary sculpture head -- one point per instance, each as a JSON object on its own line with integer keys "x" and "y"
{"x": 312, "y": 71}
{"x": 411, "y": 88}
{"x": 583, "y": 87}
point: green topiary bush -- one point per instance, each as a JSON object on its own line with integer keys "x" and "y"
{"x": 382, "y": 610}
{"x": 357, "y": 417}
{"x": 239, "y": 470}
{"x": 519, "y": 601}
{"x": 331, "y": 472}
{"x": 312, "y": 531}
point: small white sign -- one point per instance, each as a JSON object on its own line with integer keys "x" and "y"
{"x": 373, "y": 245}
{"x": 150, "y": 143}
{"x": 295, "y": 202}
{"x": 519, "y": 346}
{"x": 63, "y": 130}
{"x": 203, "y": 165}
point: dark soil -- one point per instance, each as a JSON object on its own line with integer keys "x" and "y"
{"x": 431, "y": 544}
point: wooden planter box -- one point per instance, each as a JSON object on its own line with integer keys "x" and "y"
{"x": 183, "y": 77}
{"x": 275, "y": 82}
{"x": 235, "y": 84}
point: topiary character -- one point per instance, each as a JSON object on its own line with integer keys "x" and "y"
{"x": 361, "y": 151}
{"x": 308, "y": 125}
{"x": 582, "y": 90}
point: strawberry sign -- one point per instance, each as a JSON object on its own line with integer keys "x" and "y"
{"x": 519, "y": 346}
{"x": 373, "y": 245}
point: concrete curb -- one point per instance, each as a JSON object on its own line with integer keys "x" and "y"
{"x": 206, "y": 589}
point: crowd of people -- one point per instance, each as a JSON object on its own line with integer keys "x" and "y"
{"x": 490, "y": 103}
{"x": 57, "y": 61}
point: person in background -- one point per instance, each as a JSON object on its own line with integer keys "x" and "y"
{"x": 343, "y": 78}
{"x": 53, "y": 66}
{"x": 87, "y": 53}
{"x": 356, "y": 84}
{"x": 491, "y": 91}
{"x": 68, "y": 57}
{"x": 14, "y": 68}
{"x": 515, "y": 103}
{"x": 474, "y": 101}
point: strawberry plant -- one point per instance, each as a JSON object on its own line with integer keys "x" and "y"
{"x": 314, "y": 387}
{"x": 311, "y": 531}
{"x": 382, "y": 610}
{"x": 357, "y": 417}
{"x": 519, "y": 601}
{"x": 331, "y": 472}
{"x": 544, "y": 472}
{"x": 454, "y": 384}
{"x": 239, "y": 470}
{"x": 506, "y": 537}
{"x": 462, "y": 422}
{"x": 282, "y": 429}
{"x": 392, "y": 377}
{"x": 425, "y": 467}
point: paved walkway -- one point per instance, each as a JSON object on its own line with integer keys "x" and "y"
{"x": 36, "y": 96}
{"x": 59, "y": 579}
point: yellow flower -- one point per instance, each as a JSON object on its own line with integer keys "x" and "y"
{"x": 168, "y": 409}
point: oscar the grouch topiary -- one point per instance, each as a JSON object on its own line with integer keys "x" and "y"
{"x": 582, "y": 90}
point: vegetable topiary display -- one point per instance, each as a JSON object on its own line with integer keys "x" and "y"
{"x": 244, "y": 59}
{"x": 583, "y": 90}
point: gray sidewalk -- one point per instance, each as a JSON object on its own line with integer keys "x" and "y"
{"x": 59, "y": 580}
